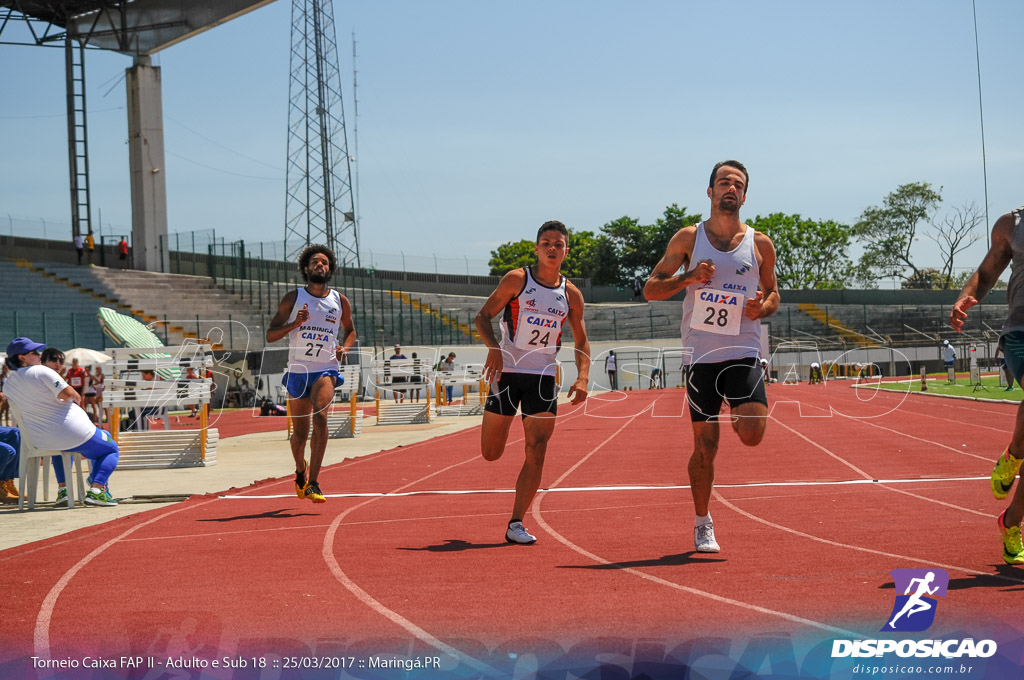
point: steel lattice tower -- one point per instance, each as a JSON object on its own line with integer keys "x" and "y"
{"x": 319, "y": 202}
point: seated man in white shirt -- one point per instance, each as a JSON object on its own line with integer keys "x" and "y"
{"x": 52, "y": 417}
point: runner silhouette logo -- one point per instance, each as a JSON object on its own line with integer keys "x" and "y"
{"x": 914, "y": 609}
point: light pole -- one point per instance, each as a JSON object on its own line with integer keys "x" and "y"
{"x": 981, "y": 116}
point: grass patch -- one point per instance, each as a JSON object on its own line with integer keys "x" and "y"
{"x": 962, "y": 388}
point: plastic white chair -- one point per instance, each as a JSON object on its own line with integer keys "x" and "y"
{"x": 31, "y": 459}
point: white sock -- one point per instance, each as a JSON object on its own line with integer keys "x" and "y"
{"x": 701, "y": 521}
{"x": 96, "y": 489}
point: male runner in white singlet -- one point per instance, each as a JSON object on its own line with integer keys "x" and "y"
{"x": 533, "y": 303}
{"x": 725, "y": 261}
{"x": 1007, "y": 247}
{"x": 314, "y": 318}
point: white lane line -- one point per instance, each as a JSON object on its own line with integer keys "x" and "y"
{"x": 644, "y": 487}
{"x": 41, "y": 635}
{"x": 368, "y": 600}
{"x": 375, "y": 605}
{"x": 535, "y": 512}
{"x": 891, "y": 488}
{"x": 872, "y": 551}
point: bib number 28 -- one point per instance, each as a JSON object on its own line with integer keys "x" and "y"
{"x": 717, "y": 311}
{"x": 717, "y": 317}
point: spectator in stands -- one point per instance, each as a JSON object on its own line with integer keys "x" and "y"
{"x": 398, "y": 394}
{"x": 638, "y": 287}
{"x": 144, "y": 414}
{"x": 5, "y": 408}
{"x": 10, "y": 448}
{"x": 90, "y": 397}
{"x": 417, "y": 377}
{"x": 52, "y": 417}
{"x": 1006, "y": 248}
{"x": 122, "y": 252}
{"x": 76, "y": 377}
{"x": 79, "y": 246}
{"x": 448, "y": 366}
{"x": 612, "y": 367}
{"x": 948, "y": 355}
{"x": 246, "y": 393}
{"x": 99, "y": 384}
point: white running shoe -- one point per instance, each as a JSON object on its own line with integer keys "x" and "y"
{"x": 517, "y": 534}
{"x": 704, "y": 538}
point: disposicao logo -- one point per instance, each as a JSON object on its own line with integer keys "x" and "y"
{"x": 914, "y": 611}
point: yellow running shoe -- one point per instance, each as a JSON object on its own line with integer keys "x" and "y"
{"x": 313, "y": 493}
{"x": 1013, "y": 550}
{"x": 300, "y": 480}
{"x": 1004, "y": 474}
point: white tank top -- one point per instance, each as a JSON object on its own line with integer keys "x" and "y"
{"x": 311, "y": 345}
{"x": 714, "y": 327}
{"x": 531, "y": 328}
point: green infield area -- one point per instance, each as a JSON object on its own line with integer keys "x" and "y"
{"x": 937, "y": 384}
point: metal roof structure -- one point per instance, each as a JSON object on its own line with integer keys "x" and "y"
{"x": 133, "y": 27}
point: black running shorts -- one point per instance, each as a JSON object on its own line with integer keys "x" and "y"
{"x": 531, "y": 394}
{"x": 739, "y": 381}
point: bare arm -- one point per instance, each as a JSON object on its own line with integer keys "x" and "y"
{"x": 766, "y": 302}
{"x": 981, "y": 281}
{"x": 511, "y": 285}
{"x": 348, "y": 330}
{"x": 664, "y": 281}
{"x": 279, "y": 326}
{"x": 70, "y": 394}
{"x": 582, "y": 344}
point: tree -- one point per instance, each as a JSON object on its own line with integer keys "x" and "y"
{"x": 512, "y": 255}
{"x": 589, "y": 256}
{"x": 954, "y": 234}
{"x": 888, "y": 232}
{"x": 926, "y": 278}
{"x": 638, "y": 247}
{"x": 809, "y": 253}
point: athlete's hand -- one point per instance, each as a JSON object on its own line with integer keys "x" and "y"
{"x": 703, "y": 272}
{"x": 340, "y": 351}
{"x": 493, "y": 365}
{"x": 959, "y": 313}
{"x": 302, "y": 316}
{"x": 578, "y": 388}
{"x": 754, "y": 306}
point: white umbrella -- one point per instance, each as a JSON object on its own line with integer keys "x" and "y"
{"x": 86, "y": 356}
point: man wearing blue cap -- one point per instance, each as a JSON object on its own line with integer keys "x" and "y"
{"x": 52, "y": 418}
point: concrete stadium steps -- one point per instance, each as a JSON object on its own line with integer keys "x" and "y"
{"x": 832, "y": 323}
{"x": 47, "y": 308}
{"x": 177, "y": 307}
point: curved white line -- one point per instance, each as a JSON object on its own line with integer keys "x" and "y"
{"x": 41, "y": 635}
{"x": 848, "y": 546}
{"x": 375, "y": 605}
{"x": 535, "y": 512}
{"x": 368, "y": 600}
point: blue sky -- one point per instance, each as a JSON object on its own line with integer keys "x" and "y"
{"x": 479, "y": 121}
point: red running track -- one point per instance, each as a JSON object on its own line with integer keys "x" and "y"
{"x": 846, "y": 486}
